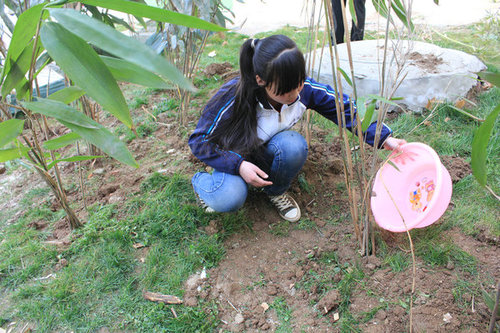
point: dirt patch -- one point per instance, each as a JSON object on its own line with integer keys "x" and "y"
{"x": 428, "y": 62}
{"x": 457, "y": 167}
{"x": 61, "y": 230}
{"x": 218, "y": 68}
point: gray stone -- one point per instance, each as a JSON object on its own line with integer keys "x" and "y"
{"x": 238, "y": 319}
{"x": 99, "y": 171}
{"x": 432, "y": 72}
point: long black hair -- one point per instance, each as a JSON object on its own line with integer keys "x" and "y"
{"x": 280, "y": 64}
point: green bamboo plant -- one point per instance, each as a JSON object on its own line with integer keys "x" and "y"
{"x": 184, "y": 45}
{"x": 47, "y": 33}
{"x": 360, "y": 165}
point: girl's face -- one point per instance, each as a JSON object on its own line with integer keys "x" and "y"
{"x": 286, "y": 98}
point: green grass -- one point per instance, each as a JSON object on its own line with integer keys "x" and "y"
{"x": 398, "y": 261}
{"x": 103, "y": 282}
{"x": 438, "y": 252}
{"x": 284, "y": 314}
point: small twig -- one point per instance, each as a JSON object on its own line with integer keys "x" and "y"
{"x": 145, "y": 110}
{"x": 311, "y": 202}
{"x": 491, "y": 191}
{"x": 157, "y": 297}
{"x": 173, "y": 312}
{"x": 239, "y": 311}
{"x": 466, "y": 113}
{"x": 45, "y": 277}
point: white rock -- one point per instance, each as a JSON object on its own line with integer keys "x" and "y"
{"x": 447, "y": 317}
{"x": 114, "y": 199}
{"x": 431, "y": 72}
{"x": 99, "y": 171}
{"x": 239, "y": 319}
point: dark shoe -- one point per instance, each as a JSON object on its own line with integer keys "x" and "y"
{"x": 287, "y": 207}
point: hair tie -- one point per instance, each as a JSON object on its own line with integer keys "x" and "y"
{"x": 254, "y": 43}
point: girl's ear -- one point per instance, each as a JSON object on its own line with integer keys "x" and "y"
{"x": 260, "y": 82}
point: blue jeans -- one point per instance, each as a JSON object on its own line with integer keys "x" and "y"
{"x": 284, "y": 154}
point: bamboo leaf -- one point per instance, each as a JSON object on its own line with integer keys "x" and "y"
{"x": 488, "y": 300}
{"x": 61, "y": 141}
{"x": 60, "y": 111}
{"x": 9, "y": 130}
{"x": 10, "y": 154}
{"x": 393, "y": 165}
{"x": 82, "y": 65}
{"x": 400, "y": 11}
{"x": 106, "y": 141}
{"x": 479, "y": 145}
{"x": 73, "y": 159}
{"x": 156, "y": 14}
{"x": 116, "y": 43}
{"x": 367, "y": 119}
{"x": 67, "y": 95}
{"x": 87, "y": 128}
{"x": 353, "y": 12}
{"x": 383, "y": 99}
{"x": 18, "y": 68}
{"x": 361, "y": 107}
{"x": 24, "y": 31}
{"x": 126, "y": 71}
{"x": 380, "y": 7}
{"x": 346, "y": 77}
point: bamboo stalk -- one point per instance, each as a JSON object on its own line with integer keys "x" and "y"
{"x": 494, "y": 313}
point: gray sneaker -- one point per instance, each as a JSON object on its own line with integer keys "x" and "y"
{"x": 287, "y": 207}
{"x": 203, "y": 205}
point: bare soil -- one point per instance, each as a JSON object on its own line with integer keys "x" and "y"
{"x": 260, "y": 265}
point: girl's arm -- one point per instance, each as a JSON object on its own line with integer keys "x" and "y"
{"x": 321, "y": 98}
{"x": 207, "y": 151}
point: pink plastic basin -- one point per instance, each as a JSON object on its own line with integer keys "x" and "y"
{"x": 419, "y": 192}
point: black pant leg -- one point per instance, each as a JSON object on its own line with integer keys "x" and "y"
{"x": 358, "y": 30}
{"x": 338, "y": 21}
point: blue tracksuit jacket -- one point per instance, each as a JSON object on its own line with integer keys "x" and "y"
{"x": 314, "y": 95}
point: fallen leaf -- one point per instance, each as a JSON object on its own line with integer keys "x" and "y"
{"x": 138, "y": 245}
{"x": 460, "y": 104}
{"x": 265, "y": 306}
{"x": 447, "y": 119}
{"x": 427, "y": 123}
{"x": 224, "y": 43}
{"x": 430, "y": 102}
{"x": 157, "y": 297}
{"x": 212, "y": 54}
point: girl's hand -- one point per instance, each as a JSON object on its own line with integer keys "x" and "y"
{"x": 394, "y": 144}
{"x": 253, "y": 175}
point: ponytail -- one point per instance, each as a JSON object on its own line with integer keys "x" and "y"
{"x": 278, "y": 61}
